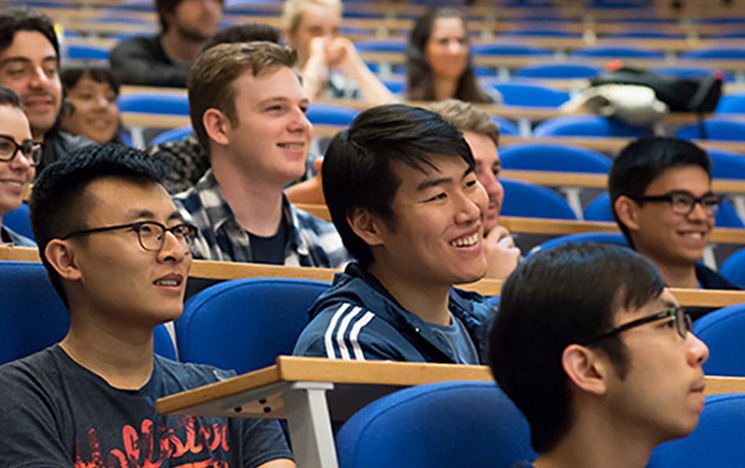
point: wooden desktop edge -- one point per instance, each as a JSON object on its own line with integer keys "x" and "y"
{"x": 402, "y": 374}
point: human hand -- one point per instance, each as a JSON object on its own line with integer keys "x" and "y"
{"x": 501, "y": 253}
{"x": 341, "y": 53}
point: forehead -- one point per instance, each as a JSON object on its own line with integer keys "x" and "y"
{"x": 452, "y": 167}
{"x": 483, "y": 148}
{"x": 13, "y": 122}
{"x": 654, "y": 305}
{"x": 31, "y": 45}
{"x": 319, "y": 15}
{"x": 447, "y": 27}
{"x": 115, "y": 198}
{"x": 689, "y": 177}
{"x": 279, "y": 82}
{"x": 86, "y": 81}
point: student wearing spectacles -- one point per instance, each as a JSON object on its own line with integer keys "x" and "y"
{"x": 660, "y": 190}
{"x": 18, "y": 158}
{"x": 598, "y": 355}
{"x": 118, "y": 253}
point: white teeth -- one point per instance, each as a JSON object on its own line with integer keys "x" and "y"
{"x": 167, "y": 283}
{"x": 695, "y": 235}
{"x": 13, "y": 183}
{"x": 465, "y": 241}
{"x": 291, "y": 145}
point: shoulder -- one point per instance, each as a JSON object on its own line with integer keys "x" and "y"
{"x": 304, "y": 220}
{"x": 710, "y": 279}
{"x": 179, "y": 376}
{"x": 17, "y": 239}
{"x": 137, "y": 43}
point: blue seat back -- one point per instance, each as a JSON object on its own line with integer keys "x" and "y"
{"x": 508, "y": 49}
{"x": 330, "y": 114}
{"x": 726, "y": 164}
{"x": 553, "y": 157}
{"x": 245, "y": 324}
{"x": 558, "y": 71}
{"x": 18, "y": 221}
{"x": 173, "y": 134}
{"x": 588, "y": 125}
{"x": 87, "y": 52}
{"x": 34, "y": 317}
{"x": 731, "y": 104}
{"x": 719, "y": 129}
{"x": 716, "y": 442}
{"x": 154, "y": 103}
{"x": 450, "y": 424}
{"x": 506, "y": 127}
{"x": 615, "y": 238}
{"x": 715, "y": 53}
{"x": 733, "y": 268}
{"x": 618, "y": 52}
{"x": 516, "y": 94}
{"x": 533, "y": 201}
{"x": 381, "y": 45}
{"x": 723, "y": 331}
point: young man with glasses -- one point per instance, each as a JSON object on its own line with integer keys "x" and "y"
{"x": 597, "y": 355}
{"x": 18, "y": 158}
{"x": 660, "y": 191}
{"x": 118, "y": 253}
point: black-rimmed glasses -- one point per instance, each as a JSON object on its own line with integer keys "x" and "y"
{"x": 151, "y": 234}
{"x": 9, "y": 148}
{"x": 682, "y": 202}
{"x": 677, "y": 315}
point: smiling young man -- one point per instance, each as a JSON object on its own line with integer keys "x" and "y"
{"x": 482, "y": 136}
{"x": 597, "y": 355}
{"x": 248, "y": 110}
{"x": 402, "y": 191}
{"x": 118, "y": 254}
{"x": 660, "y": 191}
{"x": 165, "y": 59}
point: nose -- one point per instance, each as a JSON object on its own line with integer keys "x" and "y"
{"x": 300, "y": 122}
{"x": 492, "y": 185}
{"x": 39, "y": 78}
{"x": 696, "y": 350}
{"x": 699, "y": 212}
{"x": 21, "y": 162}
{"x": 470, "y": 207}
{"x": 173, "y": 249}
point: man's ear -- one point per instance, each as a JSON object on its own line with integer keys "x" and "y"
{"x": 366, "y": 225}
{"x": 585, "y": 369}
{"x": 61, "y": 256}
{"x": 628, "y": 212}
{"x": 217, "y": 126}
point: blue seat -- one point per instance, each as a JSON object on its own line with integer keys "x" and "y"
{"x": 731, "y": 104}
{"x": 588, "y": 125}
{"x": 541, "y": 33}
{"x": 154, "y": 103}
{"x": 683, "y": 72}
{"x": 381, "y": 45}
{"x": 562, "y": 71}
{"x": 722, "y": 331}
{"x": 34, "y": 317}
{"x": 508, "y": 49}
{"x": 733, "y": 268}
{"x": 645, "y": 35}
{"x": 87, "y": 52}
{"x": 245, "y": 324}
{"x": 726, "y": 164}
{"x": 533, "y": 201}
{"x": 396, "y": 86}
{"x": 716, "y": 442}
{"x": 18, "y": 221}
{"x": 553, "y": 157}
{"x": 330, "y": 114}
{"x": 449, "y": 424}
{"x": 617, "y": 53}
{"x": 174, "y": 134}
{"x": 527, "y": 95}
{"x": 714, "y": 53}
{"x": 600, "y": 210}
{"x": 506, "y": 127}
{"x": 615, "y": 238}
{"x": 716, "y": 129}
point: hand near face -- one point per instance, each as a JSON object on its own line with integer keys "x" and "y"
{"x": 340, "y": 52}
{"x": 501, "y": 253}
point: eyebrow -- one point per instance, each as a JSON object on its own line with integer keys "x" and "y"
{"x": 443, "y": 180}
{"x": 688, "y": 192}
{"x": 136, "y": 214}
{"x": 22, "y": 59}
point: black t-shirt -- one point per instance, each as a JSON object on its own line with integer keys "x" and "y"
{"x": 54, "y": 413}
{"x": 270, "y": 250}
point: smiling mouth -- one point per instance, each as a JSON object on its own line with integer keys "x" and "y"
{"x": 694, "y": 235}
{"x": 466, "y": 241}
{"x": 291, "y": 145}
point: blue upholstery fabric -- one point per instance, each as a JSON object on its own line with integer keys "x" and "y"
{"x": 558, "y": 71}
{"x": 733, "y": 268}
{"x": 174, "y": 134}
{"x": 506, "y": 127}
{"x": 34, "y": 317}
{"x": 381, "y": 45}
{"x": 731, "y": 104}
{"x": 723, "y": 330}
{"x": 330, "y": 114}
{"x": 245, "y": 324}
{"x": 533, "y": 201}
{"x": 166, "y": 104}
{"x": 553, "y": 157}
{"x": 87, "y": 52}
{"x": 18, "y": 221}
{"x": 618, "y": 52}
{"x": 615, "y": 238}
{"x": 449, "y": 424}
{"x": 716, "y": 442}
{"x": 516, "y": 94}
{"x": 716, "y": 129}
{"x": 508, "y": 49}
{"x": 587, "y": 125}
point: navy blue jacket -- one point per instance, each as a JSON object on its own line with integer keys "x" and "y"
{"x": 358, "y": 319}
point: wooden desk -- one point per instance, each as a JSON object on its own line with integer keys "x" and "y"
{"x": 311, "y": 392}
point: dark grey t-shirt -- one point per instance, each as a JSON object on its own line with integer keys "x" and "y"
{"x": 459, "y": 339}
{"x": 56, "y": 414}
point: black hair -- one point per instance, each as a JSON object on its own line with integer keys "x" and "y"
{"x": 249, "y": 32}
{"x": 645, "y": 159}
{"x": 556, "y": 298}
{"x": 419, "y": 76}
{"x": 164, "y": 7}
{"x": 20, "y": 19}
{"x": 69, "y": 76}
{"x": 358, "y": 165}
{"x": 8, "y": 97}
{"x": 59, "y": 203}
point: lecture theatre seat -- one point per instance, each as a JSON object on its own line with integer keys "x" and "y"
{"x": 553, "y": 157}
{"x": 245, "y": 324}
{"x": 615, "y": 238}
{"x": 18, "y": 221}
{"x": 33, "y": 317}
{"x": 714, "y": 129}
{"x": 716, "y": 442}
{"x": 440, "y": 425}
{"x": 723, "y": 331}
{"x": 534, "y": 201}
{"x": 587, "y": 126}
{"x": 733, "y": 268}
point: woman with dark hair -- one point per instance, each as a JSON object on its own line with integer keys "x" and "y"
{"x": 90, "y": 109}
{"x": 438, "y": 60}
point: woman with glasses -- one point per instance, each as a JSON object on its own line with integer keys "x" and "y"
{"x": 18, "y": 158}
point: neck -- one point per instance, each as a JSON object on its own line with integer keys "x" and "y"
{"x": 256, "y": 202}
{"x": 122, "y": 357}
{"x": 428, "y": 302}
{"x": 444, "y": 88}
{"x": 675, "y": 275}
{"x": 593, "y": 442}
{"x": 179, "y": 48}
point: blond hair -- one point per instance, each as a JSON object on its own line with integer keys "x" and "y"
{"x": 292, "y": 11}
{"x": 467, "y": 117}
